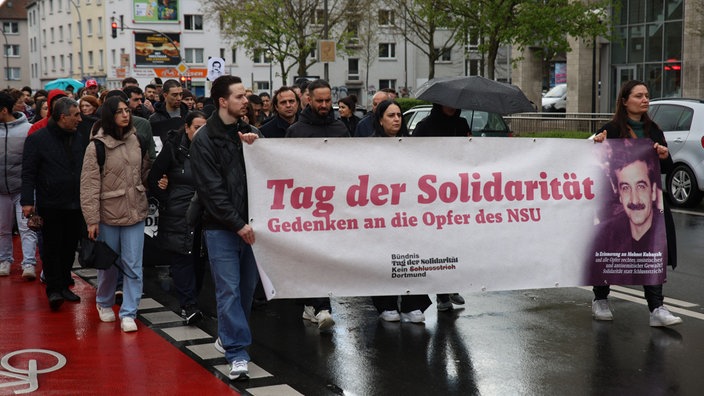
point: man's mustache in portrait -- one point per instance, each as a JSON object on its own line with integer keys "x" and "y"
{"x": 636, "y": 206}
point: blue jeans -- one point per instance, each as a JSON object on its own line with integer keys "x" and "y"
{"x": 11, "y": 210}
{"x": 128, "y": 242}
{"x": 235, "y": 276}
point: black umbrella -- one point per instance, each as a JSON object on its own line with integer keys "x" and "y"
{"x": 475, "y": 93}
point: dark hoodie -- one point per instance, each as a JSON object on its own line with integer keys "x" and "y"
{"x": 310, "y": 124}
{"x": 439, "y": 124}
{"x": 53, "y": 95}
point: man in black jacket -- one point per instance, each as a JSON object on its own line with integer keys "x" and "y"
{"x": 318, "y": 120}
{"x": 51, "y": 168}
{"x": 286, "y": 104}
{"x": 217, "y": 163}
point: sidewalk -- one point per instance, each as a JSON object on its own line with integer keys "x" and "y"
{"x": 99, "y": 357}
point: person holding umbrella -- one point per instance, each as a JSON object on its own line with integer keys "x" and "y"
{"x": 444, "y": 121}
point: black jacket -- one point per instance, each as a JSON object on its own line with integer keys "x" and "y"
{"x": 217, "y": 164}
{"x": 275, "y": 128}
{"x": 439, "y": 124}
{"x": 311, "y": 125}
{"x": 51, "y": 165}
{"x": 175, "y": 235}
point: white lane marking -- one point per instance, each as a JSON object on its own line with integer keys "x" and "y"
{"x": 670, "y": 301}
{"x": 641, "y": 301}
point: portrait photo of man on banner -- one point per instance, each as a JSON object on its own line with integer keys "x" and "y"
{"x": 629, "y": 243}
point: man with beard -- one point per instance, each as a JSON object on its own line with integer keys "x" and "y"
{"x": 318, "y": 120}
{"x": 136, "y": 101}
{"x": 217, "y": 163}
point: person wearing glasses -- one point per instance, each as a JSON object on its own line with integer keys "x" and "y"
{"x": 114, "y": 205}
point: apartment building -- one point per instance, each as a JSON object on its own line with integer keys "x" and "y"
{"x": 15, "y": 44}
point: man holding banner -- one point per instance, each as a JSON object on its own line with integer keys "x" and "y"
{"x": 636, "y": 183}
{"x": 218, "y": 169}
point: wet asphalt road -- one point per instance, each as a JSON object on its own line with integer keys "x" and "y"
{"x": 527, "y": 342}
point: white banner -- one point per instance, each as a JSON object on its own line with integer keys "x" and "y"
{"x": 353, "y": 217}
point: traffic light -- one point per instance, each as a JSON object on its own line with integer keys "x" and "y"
{"x": 114, "y": 29}
{"x": 188, "y": 82}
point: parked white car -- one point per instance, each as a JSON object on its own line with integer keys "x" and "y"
{"x": 555, "y": 99}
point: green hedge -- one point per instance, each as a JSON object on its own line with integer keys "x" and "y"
{"x": 407, "y": 103}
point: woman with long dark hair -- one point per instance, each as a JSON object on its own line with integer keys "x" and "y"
{"x": 631, "y": 121}
{"x": 388, "y": 122}
{"x": 114, "y": 205}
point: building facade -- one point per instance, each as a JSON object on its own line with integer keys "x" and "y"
{"x": 15, "y": 44}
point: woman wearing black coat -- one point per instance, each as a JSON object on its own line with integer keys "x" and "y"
{"x": 388, "y": 122}
{"x": 172, "y": 183}
{"x": 347, "y": 106}
{"x": 631, "y": 121}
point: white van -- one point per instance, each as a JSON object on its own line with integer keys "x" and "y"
{"x": 555, "y": 99}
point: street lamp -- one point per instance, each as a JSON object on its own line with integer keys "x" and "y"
{"x": 80, "y": 37}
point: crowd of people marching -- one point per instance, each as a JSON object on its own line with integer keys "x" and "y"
{"x": 82, "y": 164}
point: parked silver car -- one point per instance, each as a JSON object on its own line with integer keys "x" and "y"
{"x": 482, "y": 123}
{"x": 682, "y": 120}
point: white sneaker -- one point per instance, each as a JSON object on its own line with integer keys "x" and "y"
{"x": 4, "y": 268}
{"x": 218, "y": 346}
{"x": 601, "y": 310}
{"x": 390, "y": 316}
{"x": 28, "y": 273}
{"x": 309, "y": 313}
{"x": 324, "y": 320}
{"x": 239, "y": 370}
{"x": 128, "y": 324}
{"x": 413, "y": 317}
{"x": 106, "y": 314}
{"x": 661, "y": 316}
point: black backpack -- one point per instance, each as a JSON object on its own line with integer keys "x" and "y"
{"x": 100, "y": 150}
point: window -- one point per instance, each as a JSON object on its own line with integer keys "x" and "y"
{"x": 445, "y": 54}
{"x": 312, "y": 54}
{"x": 51, "y": 7}
{"x": 353, "y": 33}
{"x": 62, "y": 62}
{"x": 101, "y": 64}
{"x": 61, "y": 34}
{"x": 222, "y": 53}
{"x": 90, "y": 59}
{"x": 234, "y": 55}
{"x": 69, "y": 34}
{"x": 353, "y": 69}
{"x": 318, "y": 17}
{"x": 387, "y": 51}
{"x": 11, "y": 27}
{"x": 261, "y": 55}
{"x": 90, "y": 27}
{"x": 100, "y": 27}
{"x": 194, "y": 55}
{"x": 58, "y": 9}
{"x": 44, "y": 37}
{"x": 11, "y": 50}
{"x": 193, "y": 22}
{"x": 386, "y": 18}
{"x": 53, "y": 63}
{"x": 387, "y": 84}
{"x": 12, "y": 73}
{"x": 261, "y": 85}
{"x": 51, "y": 30}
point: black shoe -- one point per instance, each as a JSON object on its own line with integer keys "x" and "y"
{"x": 192, "y": 315}
{"x": 55, "y": 301}
{"x": 118, "y": 297}
{"x": 70, "y": 296}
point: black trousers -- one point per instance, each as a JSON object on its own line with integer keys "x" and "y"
{"x": 62, "y": 230}
{"x": 653, "y": 295}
